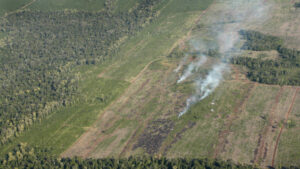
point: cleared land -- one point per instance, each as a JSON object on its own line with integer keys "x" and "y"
{"x": 241, "y": 120}
{"x": 284, "y": 22}
{"x": 63, "y": 128}
{"x": 149, "y": 85}
{"x": 236, "y": 122}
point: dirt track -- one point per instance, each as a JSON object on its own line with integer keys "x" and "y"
{"x": 95, "y": 142}
{"x": 18, "y": 10}
{"x": 229, "y": 121}
{"x": 282, "y": 127}
{"x": 261, "y": 147}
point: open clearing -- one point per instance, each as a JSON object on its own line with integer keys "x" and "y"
{"x": 236, "y": 122}
{"x": 243, "y": 121}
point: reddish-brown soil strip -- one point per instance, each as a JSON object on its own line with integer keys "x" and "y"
{"x": 229, "y": 121}
{"x": 261, "y": 141}
{"x": 236, "y": 72}
{"x": 282, "y": 127}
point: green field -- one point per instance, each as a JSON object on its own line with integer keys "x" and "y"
{"x": 63, "y": 127}
{"x": 86, "y": 5}
{"x": 7, "y": 6}
{"x": 129, "y": 104}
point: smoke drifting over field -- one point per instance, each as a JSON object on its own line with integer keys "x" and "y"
{"x": 232, "y": 16}
{"x": 194, "y": 66}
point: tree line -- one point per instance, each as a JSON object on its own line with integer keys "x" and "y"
{"x": 282, "y": 71}
{"x": 25, "y": 157}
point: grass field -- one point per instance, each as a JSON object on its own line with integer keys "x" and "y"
{"x": 62, "y": 128}
{"x": 7, "y": 6}
{"x": 130, "y": 105}
{"x": 123, "y": 6}
{"x": 90, "y": 5}
{"x": 283, "y": 22}
{"x": 288, "y": 150}
{"x": 138, "y": 105}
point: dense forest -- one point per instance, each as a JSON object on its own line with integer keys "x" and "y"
{"x": 27, "y": 157}
{"x": 283, "y": 71}
{"x": 40, "y": 49}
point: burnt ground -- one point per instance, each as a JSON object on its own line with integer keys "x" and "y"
{"x": 152, "y": 137}
{"x": 178, "y": 136}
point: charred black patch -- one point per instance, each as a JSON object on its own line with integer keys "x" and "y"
{"x": 153, "y": 136}
{"x": 179, "y": 135}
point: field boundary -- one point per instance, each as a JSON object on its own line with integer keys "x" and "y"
{"x": 282, "y": 127}
{"x": 223, "y": 133}
{"x": 266, "y": 129}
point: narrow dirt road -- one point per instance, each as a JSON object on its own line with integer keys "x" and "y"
{"x": 282, "y": 127}
{"x": 143, "y": 70}
{"x": 229, "y": 121}
{"x": 261, "y": 147}
{"x": 90, "y": 130}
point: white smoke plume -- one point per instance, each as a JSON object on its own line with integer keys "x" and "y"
{"x": 191, "y": 67}
{"x": 205, "y": 86}
{"x": 181, "y": 64}
{"x": 233, "y": 15}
